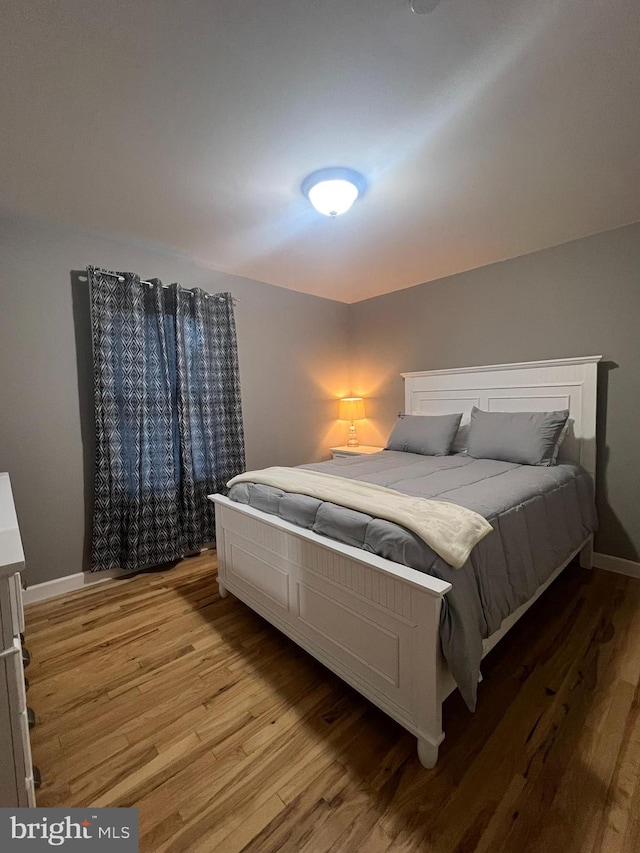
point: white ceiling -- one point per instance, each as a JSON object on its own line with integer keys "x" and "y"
{"x": 486, "y": 129}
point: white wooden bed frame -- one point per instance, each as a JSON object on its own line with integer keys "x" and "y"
{"x": 373, "y": 622}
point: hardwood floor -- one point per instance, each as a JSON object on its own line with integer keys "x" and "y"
{"x": 154, "y": 692}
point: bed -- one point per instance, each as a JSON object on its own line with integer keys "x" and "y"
{"x": 376, "y": 622}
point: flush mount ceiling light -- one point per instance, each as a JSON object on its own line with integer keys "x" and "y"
{"x": 332, "y": 191}
{"x": 421, "y": 7}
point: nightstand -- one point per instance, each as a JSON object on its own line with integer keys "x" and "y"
{"x": 360, "y": 450}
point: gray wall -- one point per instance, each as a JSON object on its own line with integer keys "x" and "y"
{"x": 581, "y": 298}
{"x": 293, "y": 365}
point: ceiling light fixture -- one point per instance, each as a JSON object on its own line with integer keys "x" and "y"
{"x": 421, "y": 7}
{"x": 332, "y": 191}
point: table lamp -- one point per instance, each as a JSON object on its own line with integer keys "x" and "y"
{"x": 352, "y": 409}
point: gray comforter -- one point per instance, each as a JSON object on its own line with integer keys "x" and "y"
{"x": 539, "y": 515}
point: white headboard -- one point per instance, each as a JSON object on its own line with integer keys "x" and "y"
{"x": 534, "y": 386}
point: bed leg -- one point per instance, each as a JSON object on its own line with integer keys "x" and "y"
{"x": 586, "y": 555}
{"x": 427, "y": 753}
{"x": 222, "y": 590}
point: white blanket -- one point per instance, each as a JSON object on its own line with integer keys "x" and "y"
{"x": 448, "y": 529}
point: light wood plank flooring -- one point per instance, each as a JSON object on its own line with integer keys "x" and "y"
{"x": 154, "y": 692}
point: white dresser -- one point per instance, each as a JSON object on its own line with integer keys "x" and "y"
{"x": 16, "y": 770}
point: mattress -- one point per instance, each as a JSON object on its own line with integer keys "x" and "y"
{"x": 540, "y": 516}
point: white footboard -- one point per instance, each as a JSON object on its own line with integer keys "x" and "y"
{"x": 373, "y": 622}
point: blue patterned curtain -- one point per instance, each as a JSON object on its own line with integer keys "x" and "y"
{"x": 168, "y": 417}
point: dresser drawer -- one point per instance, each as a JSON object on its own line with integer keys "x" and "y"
{"x": 16, "y": 675}
{"x": 30, "y": 787}
{"x": 7, "y": 620}
{"x": 8, "y": 778}
{"x": 15, "y": 749}
{"x": 17, "y": 608}
{"x": 23, "y": 761}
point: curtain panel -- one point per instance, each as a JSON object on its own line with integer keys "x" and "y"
{"x": 168, "y": 417}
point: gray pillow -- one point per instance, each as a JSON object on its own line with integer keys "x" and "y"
{"x": 429, "y": 435}
{"x": 528, "y": 438}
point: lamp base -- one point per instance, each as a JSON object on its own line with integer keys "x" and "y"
{"x": 353, "y": 439}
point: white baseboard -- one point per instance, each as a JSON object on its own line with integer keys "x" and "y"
{"x": 70, "y": 583}
{"x": 616, "y": 564}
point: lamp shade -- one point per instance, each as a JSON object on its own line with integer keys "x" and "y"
{"x": 352, "y": 409}
{"x": 333, "y": 197}
{"x": 332, "y": 191}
